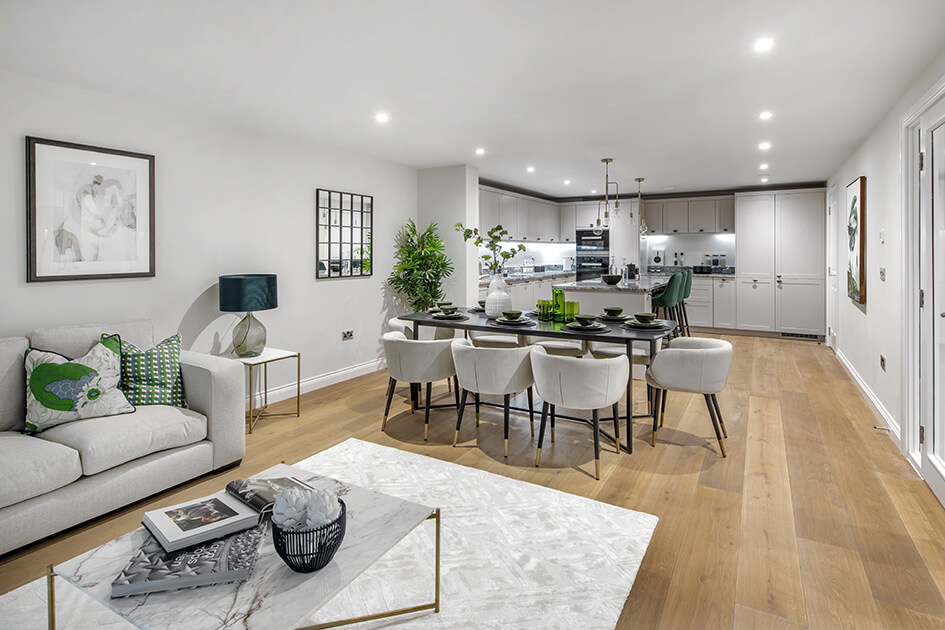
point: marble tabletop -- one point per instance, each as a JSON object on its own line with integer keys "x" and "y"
{"x": 274, "y": 597}
{"x": 644, "y": 284}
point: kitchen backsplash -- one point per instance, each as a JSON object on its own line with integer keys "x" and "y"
{"x": 692, "y": 247}
{"x": 538, "y": 254}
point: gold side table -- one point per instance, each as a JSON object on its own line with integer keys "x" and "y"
{"x": 270, "y": 355}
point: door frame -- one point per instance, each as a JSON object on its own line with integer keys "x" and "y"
{"x": 910, "y": 145}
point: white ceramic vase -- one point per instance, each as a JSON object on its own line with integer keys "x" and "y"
{"x": 498, "y": 299}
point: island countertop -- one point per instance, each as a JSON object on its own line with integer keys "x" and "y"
{"x": 645, "y": 284}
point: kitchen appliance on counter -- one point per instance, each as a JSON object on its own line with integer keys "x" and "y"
{"x": 568, "y": 263}
{"x": 592, "y": 254}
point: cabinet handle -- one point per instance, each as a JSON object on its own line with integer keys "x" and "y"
{"x": 725, "y": 229}
{"x": 701, "y": 230}
{"x": 675, "y": 230}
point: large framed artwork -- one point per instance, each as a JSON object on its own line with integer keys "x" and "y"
{"x": 90, "y": 212}
{"x": 856, "y": 243}
{"x": 343, "y": 234}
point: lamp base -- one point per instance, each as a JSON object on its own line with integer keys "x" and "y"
{"x": 249, "y": 337}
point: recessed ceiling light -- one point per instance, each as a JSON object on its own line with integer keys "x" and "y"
{"x": 381, "y": 117}
{"x": 92, "y": 163}
{"x": 593, "y": 192}
{"x": 765, "y": 115}
{"x": 764, "y": 146}
{"x": 480, "y": 151}
{"x": 530, "y": 169}
{"x": 567, "y": 182}
{"x": 764, "y": 44}
{"x": 764, "y": 180}
{"x": 764, "y": 167}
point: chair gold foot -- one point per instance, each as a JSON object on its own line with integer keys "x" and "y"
{"x": 617, "y": 446}
{"x": 552, "y": 434}
{"x": 426, "y": 432}
{"x": 533, "y": 428}
{"x": 538, "y": 459}
{"x": 653, "y": 439}
{"x": 722, "y": 448}
{"x": 449, "y": 384}
{"x": 455, "y": 437}
{"x": 597, "y": 469}
{"x": 477, "y": 418}
{"x": 722, "y": 425}
{"x": 506, "y": 447}
{"x": 384, "y": 423}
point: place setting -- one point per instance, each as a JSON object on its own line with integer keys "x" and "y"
{"x": 446, "y": 310}
{"x": 613, "y": 314}
{"x": 512, "y": 318}
{"x": 586, "y": 323}
{"x": 479, "y": 309}
{"x": 645, "y": 321}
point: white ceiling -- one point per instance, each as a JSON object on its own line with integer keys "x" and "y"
{"x": 670, "y": 89}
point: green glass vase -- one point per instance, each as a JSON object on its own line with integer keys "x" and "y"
{"x": 249, "y": 337}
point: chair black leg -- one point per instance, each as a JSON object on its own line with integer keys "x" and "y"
{"x": 413, "y": 397}
{"x": 657, "y": 398}
{"x": 531, "y": 410}
{"x": 456, "y": 391}
{"x": 617, "y": 427}
{"x": 426, "y": 415}
{"x": 715, "y": 423}
{"x": 390, "y": 395}
{"x": 663, "y": 405}
{"x": 541, "y": 432}
{"x": 552, "y": 423}
{"x": 459, "y": 415}
{"x": 506, "y": 414}
{"x": 718, "y": 414}
{"x": 477, "y": 409}
{"x": 596, "y": 417}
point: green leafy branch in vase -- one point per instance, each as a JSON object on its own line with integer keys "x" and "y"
{"x": 493, "y": 242}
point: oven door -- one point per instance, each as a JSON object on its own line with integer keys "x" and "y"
{"x": 590, "y": 267}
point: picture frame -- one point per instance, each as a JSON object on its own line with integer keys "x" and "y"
{"x": 856, "y": 243}
{"x": 344, "y": 226}
{"x": 90, "y": 212}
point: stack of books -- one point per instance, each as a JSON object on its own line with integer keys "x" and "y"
{"x": 207, "y": 541}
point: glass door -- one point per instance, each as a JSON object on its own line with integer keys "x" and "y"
{"x": 932, "y": 328}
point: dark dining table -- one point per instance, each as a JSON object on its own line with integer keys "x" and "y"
{"x": 475, "y": 319}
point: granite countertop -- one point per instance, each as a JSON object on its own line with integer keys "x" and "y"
{"x": 532, "y": 277}
{"x": 645, "y": 284}
{"x": 694, "y": 276}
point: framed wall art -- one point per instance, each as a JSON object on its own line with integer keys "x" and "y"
{"x": 90, "y": 212}
{"x": 856, "y": 243}
{"x": 343, "y": 234}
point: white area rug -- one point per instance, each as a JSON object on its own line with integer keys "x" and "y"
{"x": 514, "y": 554}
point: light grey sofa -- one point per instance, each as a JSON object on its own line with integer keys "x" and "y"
{"x": 79, "y": 470}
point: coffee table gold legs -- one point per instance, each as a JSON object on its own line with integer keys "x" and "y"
{"x": 434, "y": 606}
{"x": 51, "y": 597}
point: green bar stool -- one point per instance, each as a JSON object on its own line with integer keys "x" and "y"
{"x": 683, "y": 313}
{"x": 668, "y": 300}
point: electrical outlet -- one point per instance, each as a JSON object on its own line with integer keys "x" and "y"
{"x": 882, "y": 274}
{"x": 882, "y": 363}
{"x": 347, "y": 335}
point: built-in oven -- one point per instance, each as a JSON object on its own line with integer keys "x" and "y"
{"x": 592, "y": 254}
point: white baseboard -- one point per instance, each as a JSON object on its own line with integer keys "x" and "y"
{"x": 284, "y": 392}
{"x": 876, "y": 404}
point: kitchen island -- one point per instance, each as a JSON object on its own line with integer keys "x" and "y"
{"x": 634, "y": 296}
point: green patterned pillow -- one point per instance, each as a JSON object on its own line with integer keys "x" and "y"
{"x": 60, "y": 389}
{"x": 152, "y": 377}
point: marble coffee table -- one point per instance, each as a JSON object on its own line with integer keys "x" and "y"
{"x": 274, "y": 597}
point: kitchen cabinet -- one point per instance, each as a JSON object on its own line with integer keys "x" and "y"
{"x": 702, "y": 216}
{"x": 800, "y": 259}
{"x": 529, "y": 220}
{"x": 488, "y": 210}
{"x": 653, "y": 213}
{"x": 508, "y": 216}
{"x": 699, "y": 304}
{"x": 723, "y": 303}
{"x": 755, "y": 227}
{"x": 566, "y": 224}
{"x": 549, "y": 223}
{"x": 754, "y": 306}
{"x": 675, "y": 217}
{"x": 726, "y": 215}
{"x": 585, "y": 216}
{"x": 800, "y": 306}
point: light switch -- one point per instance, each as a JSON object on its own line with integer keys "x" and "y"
{"x": 882, "y": 274}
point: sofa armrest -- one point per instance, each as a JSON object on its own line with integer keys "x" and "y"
{"x": 215, "y": 386}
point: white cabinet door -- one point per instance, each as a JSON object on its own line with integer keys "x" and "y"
{"x": 801, "y": 245}
{"x": 653, "y": 213}
{"x": 585, "y": 216}
{"x": 508, "y": 216}
{"x": 801, "y": 306}
{"x": 726, "y": 212}
{"x": 700, "y": 314}
{"x": 517, "y": 293}
{"x": 754, "y": 250}
{"x": 528, "y": 220}
{"x": 754, "y": 306}
{"x": 488, "y": 210}
{"x": 566, "y": 223}
{"x": 549, "y": 223}
{"x": 701, "y": 290}
{"x": 702, "y": 216}
{"x": 724, "y": 302}
{"x": 676, "y": 217}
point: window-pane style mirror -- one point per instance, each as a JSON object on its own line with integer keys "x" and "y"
{"x": 343, "y": 225}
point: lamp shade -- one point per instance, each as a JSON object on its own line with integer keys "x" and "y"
{"x": 248, "y": 292}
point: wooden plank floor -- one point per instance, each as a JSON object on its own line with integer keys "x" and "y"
{"x": 813, "y": 521}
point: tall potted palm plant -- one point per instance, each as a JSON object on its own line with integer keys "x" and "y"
{"x": 420, "y": 266}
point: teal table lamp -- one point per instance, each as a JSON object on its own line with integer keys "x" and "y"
{"x": 245, "y": 293}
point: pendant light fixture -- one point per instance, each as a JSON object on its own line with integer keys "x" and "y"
{"x": 643, "y": 228}
{"x": 603, "y": 206}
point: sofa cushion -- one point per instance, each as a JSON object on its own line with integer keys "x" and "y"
{"x": 152, "y": 376}
{"x": 12, "y": 383}
{"x": 74, "y": 341}
{"x": 30, "y": 467}
{"x": 107, "y": 442}
{"x": 61, "y": 390}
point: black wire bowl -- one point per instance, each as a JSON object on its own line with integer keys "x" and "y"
{"x": 309, "y": 550}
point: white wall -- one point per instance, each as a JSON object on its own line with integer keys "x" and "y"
{"x": 449, "y": 195}
{"x": 864, "y": 332}
{"x": 228, "y": 200}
